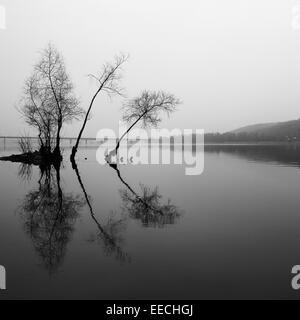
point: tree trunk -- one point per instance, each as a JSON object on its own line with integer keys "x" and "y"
{"x": 75, "y": 148}
{"x": 57, "y": 152}
{"x": 114, "y": 152}
{"x": 42, "y": 146}
{"x": 126, "y": 133}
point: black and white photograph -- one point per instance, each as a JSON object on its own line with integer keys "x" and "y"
{"x": 149, "y": 153}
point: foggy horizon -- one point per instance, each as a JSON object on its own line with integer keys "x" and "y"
{"x": 232, "y": 65}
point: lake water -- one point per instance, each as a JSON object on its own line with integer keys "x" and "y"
{"x": 151, "y": 232}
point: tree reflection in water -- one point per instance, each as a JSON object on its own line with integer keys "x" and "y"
{"x": 49, "y": 216}
{"x": 147, "y": 207}
{"x": 108, "y": 235}
{"x": 25, "y": 172}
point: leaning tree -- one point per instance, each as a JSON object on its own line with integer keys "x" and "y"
{"x": 49, "y": 101}
{"x": 147, "y": 109}
{"x": 108, "y": 81}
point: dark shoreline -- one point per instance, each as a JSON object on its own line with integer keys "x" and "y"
{"x": 33, "y": 158}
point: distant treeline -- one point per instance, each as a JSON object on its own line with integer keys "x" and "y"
{"x": 247, "y": 137}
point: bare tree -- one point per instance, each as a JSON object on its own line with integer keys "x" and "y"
{"x": 57, "y": 84}
{"x": 147, "y": 108}
{"x": 49, "y": 100}
{"x": 36, "y": 110}
{"x": 109, "y": 83}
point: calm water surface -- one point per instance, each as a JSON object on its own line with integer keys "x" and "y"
{"x": 151, "y": 232}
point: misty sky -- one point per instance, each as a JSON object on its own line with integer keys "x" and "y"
{"x": 233, "y": 62}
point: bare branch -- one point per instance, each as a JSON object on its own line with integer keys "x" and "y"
{"x": 149, "y": 106}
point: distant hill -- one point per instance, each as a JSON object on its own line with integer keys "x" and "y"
{"x": 282, "y": 131}
{"x": 254, "y": 128}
